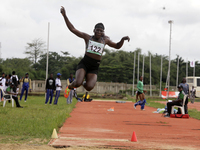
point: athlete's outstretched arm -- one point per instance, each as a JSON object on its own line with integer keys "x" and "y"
{"x": 119, "y": 44}
{"x": 71, "y": 27}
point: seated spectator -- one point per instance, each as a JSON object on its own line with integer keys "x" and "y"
{"x": 86, "y": 97}
{"x": 75, "y": 94}
{"x": 178, "y": 101}
{"x": 13, "y": 91}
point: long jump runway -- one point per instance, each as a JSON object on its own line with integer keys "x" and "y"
{"x": 92, "y": 125}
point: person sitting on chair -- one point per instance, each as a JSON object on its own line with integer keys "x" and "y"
{"x": 86, "y": 97}
{"x": 178, "y": 101}
{"x": 13, "y": 91}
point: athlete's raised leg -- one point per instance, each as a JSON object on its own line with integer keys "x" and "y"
{"x": 79, "y": 77}
{"x": 91, "y": 80}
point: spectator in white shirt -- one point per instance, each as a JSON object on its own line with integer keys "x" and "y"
{"x": 3, "y": 82}
{"x": 14, "y": 78}
{"x": 58, "y": 88}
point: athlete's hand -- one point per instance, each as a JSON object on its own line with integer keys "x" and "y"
{"x": 62, "y": 11}
{"x": 126, "y": 38}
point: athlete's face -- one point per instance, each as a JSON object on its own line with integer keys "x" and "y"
{"x": 98, "y": 32}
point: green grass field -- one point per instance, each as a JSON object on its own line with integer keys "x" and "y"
{"x": 35, "y": 120}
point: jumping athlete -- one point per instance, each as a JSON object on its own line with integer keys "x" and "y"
{"x": 88, "y": 66}
{"x": 140, "y": 94}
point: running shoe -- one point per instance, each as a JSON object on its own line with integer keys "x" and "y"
{"x": 67, "y": 91}
{"x": 134, "y": 106}
{"x": 166, "y": 116}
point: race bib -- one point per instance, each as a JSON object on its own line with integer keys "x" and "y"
{"x": 95, "y": 47}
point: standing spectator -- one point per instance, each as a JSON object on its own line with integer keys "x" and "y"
{"x": 15, "y": 79}
{"x": 8, "y": 80}
{"x": 141, "y": 95}
{"x": 58, "y": 88}
{"x": 69, "y": 81}
{"x": 3, "y": 82}
{"x": 186, "y": 91}
{"x": 26, "y": 86}
{"x": 13, "y": 90}
{"x": 192, "y": 94}
{"x": 50, "y": 87}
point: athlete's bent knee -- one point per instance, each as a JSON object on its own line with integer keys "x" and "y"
{"x": 77, "y": 83}
{"x": 89, "y": 87}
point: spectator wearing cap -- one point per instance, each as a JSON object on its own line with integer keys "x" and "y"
{"x": 178, "y": 101}
{"x": 12, "y": 90}
{"x": 58, "y": 88}
{"x": 26, "y": 86}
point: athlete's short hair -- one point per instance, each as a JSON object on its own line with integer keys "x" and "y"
{"x": 99, "y": 25}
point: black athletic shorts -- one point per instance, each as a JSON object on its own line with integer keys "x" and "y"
{"x": 139, "y": 93}
{"x": 89, "y": 64}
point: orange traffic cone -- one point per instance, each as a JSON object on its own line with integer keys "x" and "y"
{"x": 111, "y": 109}
{"x": 134, "y": 138}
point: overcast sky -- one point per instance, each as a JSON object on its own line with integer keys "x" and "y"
{"x": 144, "y": 21}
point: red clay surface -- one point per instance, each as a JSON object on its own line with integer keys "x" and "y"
{"x": 195, "y": 105}
{"x": 91, "y": 124}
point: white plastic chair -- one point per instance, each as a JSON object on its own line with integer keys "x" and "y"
{"x": 6, "y": 99}
{"x": 181, "y": 107}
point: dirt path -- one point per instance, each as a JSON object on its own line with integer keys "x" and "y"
{"x": 42, "y": 147}
{"x": 91, "y": 124}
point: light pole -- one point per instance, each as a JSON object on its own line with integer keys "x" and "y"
{"x": 143, "y": 68}
{"x": 138, "y": 66}
{"x": 47, "y": 63}
{"x": 133, "y": 74}
{"x": 177, "y": 72}
{"x": 170, "y": 22}
{"x": 0, "y": 50}
{"x": 160, "y": 76}
{"x": 150, "y": 73}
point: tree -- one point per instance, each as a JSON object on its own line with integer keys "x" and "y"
{"x": 35, "y": 49}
